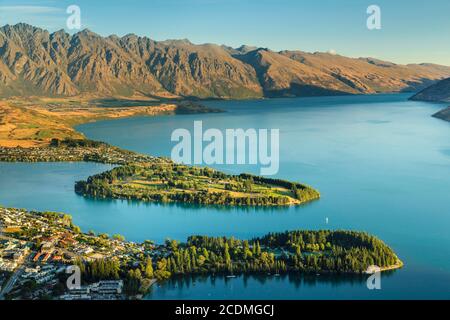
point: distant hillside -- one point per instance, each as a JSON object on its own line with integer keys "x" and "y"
{"x": 439, "y": 92}
{"x": 36, "y": 62}
{"x": 443, "y": 114}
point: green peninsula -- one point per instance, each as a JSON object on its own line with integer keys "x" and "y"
{"x": 154, "y": 179}
{"x": 170, "y": 182}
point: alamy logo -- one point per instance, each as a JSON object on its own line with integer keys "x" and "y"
{"x": 235, "y": 146}
{"x": 74, "y": 20}
{"x": 74, "y": 280}
{"x": 374, "y": 281}
{"x": 374, "y": 20}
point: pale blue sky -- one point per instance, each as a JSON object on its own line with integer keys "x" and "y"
{"x": 412, "y": 31}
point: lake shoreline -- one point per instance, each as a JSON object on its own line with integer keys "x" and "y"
{"x": 443, "y": 114}
{"x": 30, "y": 124}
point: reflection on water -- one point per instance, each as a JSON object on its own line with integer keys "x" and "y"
{"x": 207, "y": 287}
{"x": 192, "y": 206}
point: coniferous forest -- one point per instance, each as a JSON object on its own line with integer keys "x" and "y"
{"x": 322, "y": 251}
{"x": 293, "y": 251}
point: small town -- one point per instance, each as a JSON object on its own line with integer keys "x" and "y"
{"x": 37, "y": 248}
{"x": 75, "y": 150}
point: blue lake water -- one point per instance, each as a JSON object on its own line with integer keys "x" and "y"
{"x": 381, "y": 163}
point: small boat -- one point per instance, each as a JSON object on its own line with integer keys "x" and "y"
{"x": 231, "y": 276}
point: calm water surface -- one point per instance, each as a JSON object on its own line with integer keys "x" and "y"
{"x": 381, "y": 163}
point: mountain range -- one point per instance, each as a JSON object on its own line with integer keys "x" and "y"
{"x": 35, "y": 62}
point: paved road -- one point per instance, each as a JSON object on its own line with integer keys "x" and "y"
{"x": 19, "y": 271}
{"x": 12, "y": 280}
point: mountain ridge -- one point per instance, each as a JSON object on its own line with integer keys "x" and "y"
{"x": 438, "y": 92}
{"x": 34, "y": 61}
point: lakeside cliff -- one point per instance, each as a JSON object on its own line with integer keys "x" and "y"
{"x": 439, "y": 92}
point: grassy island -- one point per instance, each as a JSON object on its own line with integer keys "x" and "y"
{"x": 170, "y": 182}
{"x": 47, "y": 242}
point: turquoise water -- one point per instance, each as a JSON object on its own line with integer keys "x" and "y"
{"x": 382, "y": 165}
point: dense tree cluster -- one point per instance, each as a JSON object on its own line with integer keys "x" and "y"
{"x": 136, "y": 279}
{"x": 73, "y": 143}
{"x": 345, "y": 251}
{"x": 99, "y": 269}
{"x": 302, "y": 192}
{"x": 295, "y": 251}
